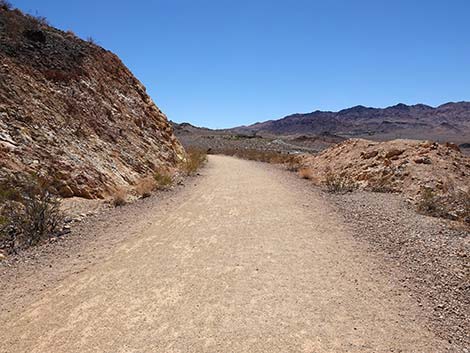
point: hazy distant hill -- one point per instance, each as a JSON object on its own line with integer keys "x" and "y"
{"x": 448, "y": 122}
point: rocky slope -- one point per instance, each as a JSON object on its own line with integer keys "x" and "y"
{"x": 400, "y": 165}
{"x": 448, "y": 122}
{"x": 72, "y": 112}
{"x": 434, "y": 176}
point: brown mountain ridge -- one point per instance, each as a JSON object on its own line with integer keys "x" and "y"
{"x": 447, "y": 122}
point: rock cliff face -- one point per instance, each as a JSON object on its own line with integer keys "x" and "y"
{"x": 72, "y": 112}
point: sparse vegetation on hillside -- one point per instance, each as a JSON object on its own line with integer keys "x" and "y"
{"x": 41, "y": 21}
{"x": 145, "y": 187}
{"x": 453, "y": 206}
{"x": 119, "y": 197}
{"x": 339, "y": 182}
{"x": 195, "y": 159}
{"x": 399, "y": 166}
{"x": 29, "y": 213}
{"x": 382, "y": 184}
{"x": 163, "y": 180}
{"x": 159, "y": 181}
{"x": 428, "y": 203}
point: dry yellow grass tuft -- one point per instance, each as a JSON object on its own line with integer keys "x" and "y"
{"x": 195, "y": 159}
{"x": 145, "y": 187}
{"x": 163, "y": 180}
{"x": 306, "y": 173}
{"x": 119, "y": 197}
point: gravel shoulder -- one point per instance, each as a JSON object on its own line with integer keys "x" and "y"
{"x": 247, "y": 258}
{"x": 428, "y": 256}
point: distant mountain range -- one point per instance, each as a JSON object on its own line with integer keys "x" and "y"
{"x": 448, "y": 122}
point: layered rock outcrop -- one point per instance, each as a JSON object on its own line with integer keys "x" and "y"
{"x": 72, "y": 112}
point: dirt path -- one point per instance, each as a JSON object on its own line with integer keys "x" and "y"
{"x": 244, "y": 263}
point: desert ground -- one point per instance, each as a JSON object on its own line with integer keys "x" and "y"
{"x": 117, "y": 234}
{"x": 244, "y": 258}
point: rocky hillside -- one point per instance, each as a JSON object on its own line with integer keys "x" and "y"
{"x": 400, "y": 165}
{"x": 72, "y": 112}
{"x": 440, "y": 172}
{"x": 448, "y": 122}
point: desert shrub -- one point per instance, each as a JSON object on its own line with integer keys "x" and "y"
{"x": 145, "y": 187}
{"x": 428, "y": 202}
{"x": 119, "y": 198}
{"x": 41, "y": 21}
{"x": 459, "y": 206}
{"x": 163, "y": 180}
{"x": 30, "y": 212}
{"x": 339, "y": 182}
{"x": 305, "y": 173}
{"x": 195, "y": 159}
{"x": 454, "y": 205}
{"x": 293, "y": 164}
{"x": 5, "y": 5}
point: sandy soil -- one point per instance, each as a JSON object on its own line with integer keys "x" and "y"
{"x": 240, "y": 262}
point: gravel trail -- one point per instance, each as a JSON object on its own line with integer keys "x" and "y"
{"x": 241, "y": 262}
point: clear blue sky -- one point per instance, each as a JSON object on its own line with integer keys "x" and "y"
{"x": 222, "y": 63}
